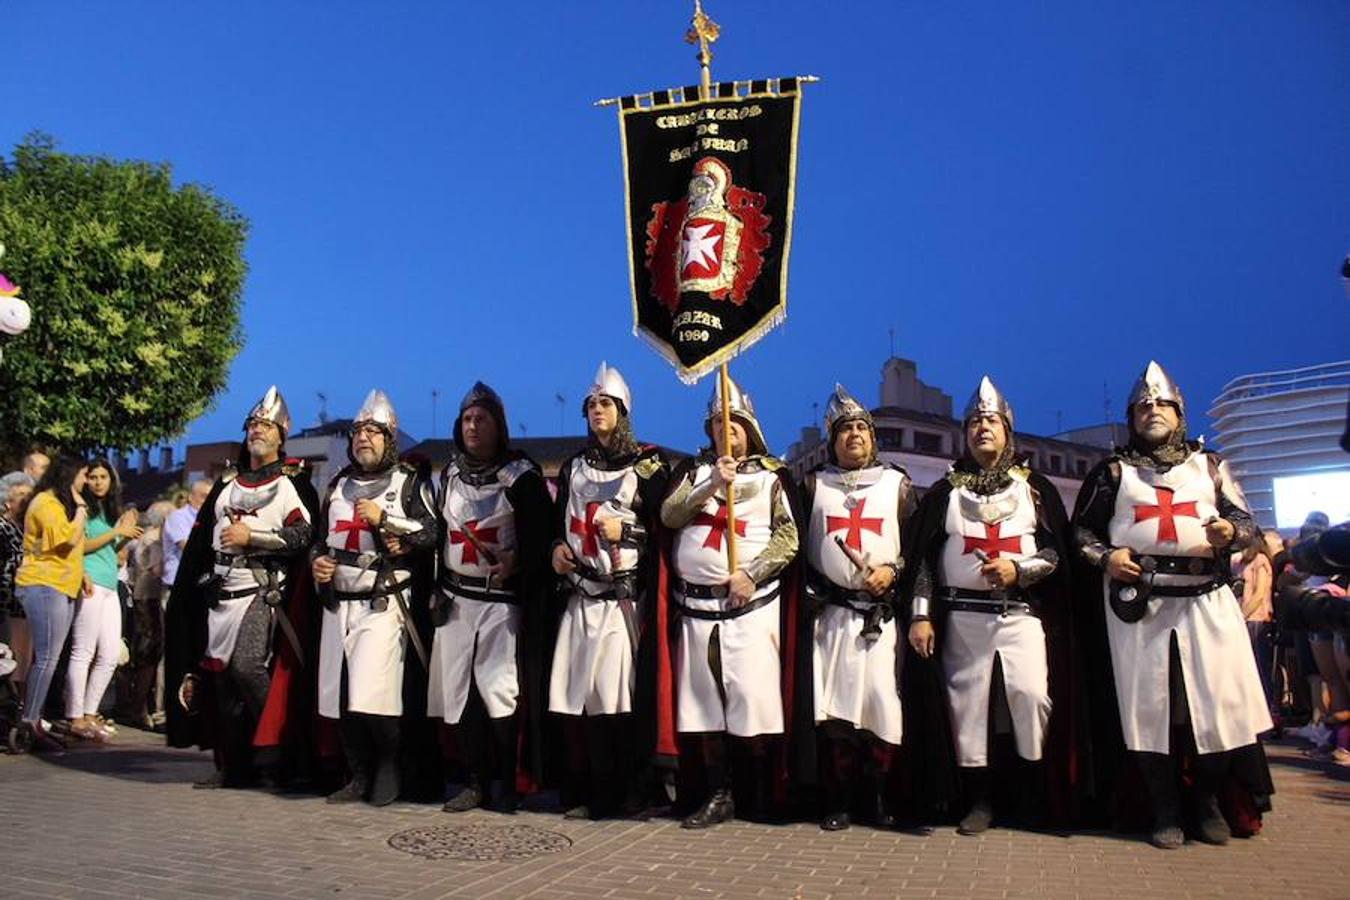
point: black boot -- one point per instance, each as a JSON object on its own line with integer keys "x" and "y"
{"x": 356, "y": 746}
{"x": 385, "y": 782}
{"x": 504, "y": 737}
{"x": 882, "y": 817}
{"x": 836, "y": 754}
{"x": 716, "y": 809}
{"x": 981, "y": 814}
{"x": 469, "y": 797}
{"x": 1161, "y": 780}
{"x": 1210, "y": 825}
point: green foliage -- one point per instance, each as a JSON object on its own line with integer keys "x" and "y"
{"x": 134, "y": 287}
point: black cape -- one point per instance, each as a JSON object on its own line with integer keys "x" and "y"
{"x": 1119, "y": 787}
{"x": 931, "y": 785}
{"x": 532, "y": 583}
{"x": 653, "y": 472}
{"x": 185, "y": 631}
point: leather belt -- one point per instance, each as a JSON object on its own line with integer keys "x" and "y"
{"x": 473, "y": 587}
{"x": 987, "y": 602}
{"x": 348, "y": 557}
{"x": 352, "y": 596}
{"x": 236, "y": 594}
{"x": 1184, "y": 590}
{"x": 246, "y": 559}
{"x": 705, "y": 592}
{"x": 1179, "y": 565}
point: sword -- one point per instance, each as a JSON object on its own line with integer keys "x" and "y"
{"x": 408, "y": 625}
{"x": 270, "y": 591}
{"x": 280, "y": 617}
{"x": 853, "y": 555}
{"x": 480, "y": 546}
{"x": 996, "y": 592}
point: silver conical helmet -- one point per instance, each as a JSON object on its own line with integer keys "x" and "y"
{"x": 742, "y": 410}
{"x": 841, "y": 407}
{"x": 271, "y": 408}
{"x": 1155, "y": 384}
{"x": 377, "y": 410}
{"x": 988, "y": 399}
{"x": 609, "y": 382}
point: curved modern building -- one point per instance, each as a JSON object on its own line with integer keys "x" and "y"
{"x": 1281, "y": 432}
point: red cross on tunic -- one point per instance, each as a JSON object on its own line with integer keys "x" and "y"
{"x": 991, "y": 543}
{"x": 855, "y": 523}
{"x": 586, "y": 530}
{"x": 718, "y": 526}
{"x": 1165, "y": 512}
{"x": 354, "y": 526}
{"x": 484, "y": 535}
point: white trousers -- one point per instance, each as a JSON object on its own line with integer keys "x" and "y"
{"x": 95, "y": 637}
{"x": 372, "y": 645}
{"x": 476, "y": 646}
{"x": 856, "y": 679}
{"x": 973, "y": 639}
{"x": 1223, "y": 690}
{"x": 747, "y": 700}
{"x": 593, "y": 668}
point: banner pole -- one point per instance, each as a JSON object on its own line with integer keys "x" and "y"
{"x": 703, "y": 32}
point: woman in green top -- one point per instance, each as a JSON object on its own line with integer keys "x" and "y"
{"x": 96, "y": 635}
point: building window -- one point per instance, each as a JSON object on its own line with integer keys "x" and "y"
{"x": 1080, "y": 466}
{"x": 890, "y": 438}
{"x": 1056, "y": 463}
{"x": 926, "y": 442}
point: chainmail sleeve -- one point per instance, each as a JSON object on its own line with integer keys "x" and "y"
{"x": 1092, "y": 513}
{"x": 782, "y": 546}
{"x": 685, "y": 501}
{"x": 1232, "y": 504}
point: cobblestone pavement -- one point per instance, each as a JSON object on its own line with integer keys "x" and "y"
{"x": 123, "y": 821}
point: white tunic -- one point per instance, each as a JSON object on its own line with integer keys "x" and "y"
{"x": 371, "y": 643}
{"x": 746, "y": 700}
{"x": 266, "y": 505}
{"x": 1162, "y": 513}
{"x": 1004, "y": 526}
{"x": 477, "y": 644}
{"x": 593, "y": 657}
{"x": 855, "y": 679}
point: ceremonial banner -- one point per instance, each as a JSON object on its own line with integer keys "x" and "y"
{"x": 709, "y": 188}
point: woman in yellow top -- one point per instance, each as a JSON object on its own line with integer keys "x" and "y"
{"x": 51, "y": 575}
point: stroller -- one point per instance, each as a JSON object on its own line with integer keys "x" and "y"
{"x": 15, "y": 735}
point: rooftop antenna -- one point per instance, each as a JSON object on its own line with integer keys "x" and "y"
{"x": 891, "y": 331}
{"x": 435, "y": 396}
{"x": 323, "y": 408}
{"x": 562, "y": 408}
{"x": 524, "y": 432}
{"x": 1106, "y": 403}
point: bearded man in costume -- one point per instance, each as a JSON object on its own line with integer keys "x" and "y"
{"x": 857, "y": 509}
{"x": 377, "y": 513}
{"x": 989, "y": 545}
{"x": 609, "y": 499}
{"x": 729, "y": 700}
{"x": 232, "y": 596}
{"x": 1160, "y": 518}
{"x": 496, "y": 519}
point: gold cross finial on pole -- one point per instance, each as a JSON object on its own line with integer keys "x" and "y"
{"x": 703, "y": 31}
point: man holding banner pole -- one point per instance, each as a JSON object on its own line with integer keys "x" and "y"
{"x": 728, "y": 676}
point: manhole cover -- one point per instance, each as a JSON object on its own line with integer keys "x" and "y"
{"x": 479, "y": 842}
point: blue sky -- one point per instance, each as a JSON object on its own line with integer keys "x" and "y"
{"x": 1050, "y": 192}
